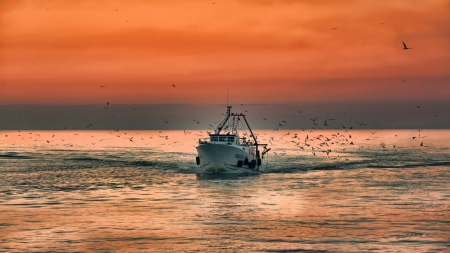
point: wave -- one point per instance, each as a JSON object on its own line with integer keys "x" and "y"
{"x": 143, "y": 163}
{"x": 416, "y": 165}
{"x": 182, "y": 162}
{"x": 84, "y": 159}
{"x": 14, "y": 155}
{"x": 351, "y": 166}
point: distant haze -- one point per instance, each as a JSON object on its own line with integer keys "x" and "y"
{"x": 357, "y": 115}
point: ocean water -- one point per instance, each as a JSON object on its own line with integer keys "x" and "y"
{"x": 137, "y": 191}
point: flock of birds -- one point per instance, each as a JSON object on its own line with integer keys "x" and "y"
{"x": 314, "y": 142}
{"x": 319, "y": 143}
{"x": 338, "y": 144}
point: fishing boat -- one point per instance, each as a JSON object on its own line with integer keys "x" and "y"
{"x": 226, "y": 151}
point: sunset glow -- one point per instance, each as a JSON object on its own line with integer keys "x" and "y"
{"x": 62, "y": 52}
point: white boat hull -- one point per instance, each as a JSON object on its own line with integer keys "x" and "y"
{"x": 220, "y": 158}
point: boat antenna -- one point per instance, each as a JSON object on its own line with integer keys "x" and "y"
{"x": 228, "y": 89}
{"x": 222, "y": 124}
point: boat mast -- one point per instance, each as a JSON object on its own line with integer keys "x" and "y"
{"x": 222, "y": 124}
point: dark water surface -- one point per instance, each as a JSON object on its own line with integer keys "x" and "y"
{"x": 136, "y": 191}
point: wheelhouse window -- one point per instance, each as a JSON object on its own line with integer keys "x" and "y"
{"x": 222, "y": 139}
{"x": 230, "y": 139}
{"x": 214, "y": 138}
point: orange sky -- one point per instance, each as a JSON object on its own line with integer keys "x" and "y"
{"x": 61, "y": 52}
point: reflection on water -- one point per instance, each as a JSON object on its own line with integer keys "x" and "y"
{"x": 143, "y": 198}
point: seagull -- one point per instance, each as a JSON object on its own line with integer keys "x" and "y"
{"x": 418, "y": 107}
{"x": 314, "y": 120}
{"x": 173, "y": 85}
{"x": 405, "y": 47}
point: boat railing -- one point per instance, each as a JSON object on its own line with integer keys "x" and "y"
{"x": 241, "y": 142}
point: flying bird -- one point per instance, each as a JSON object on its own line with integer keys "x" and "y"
{"x": 405, "y": 47}
{"x": 173, "y": 85}
{"x": 314, "y": 120}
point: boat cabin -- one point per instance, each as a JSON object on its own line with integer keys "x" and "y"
{"x": 224, "y": 139}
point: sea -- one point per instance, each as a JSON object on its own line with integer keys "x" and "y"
{"x": 335, "y": 190}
